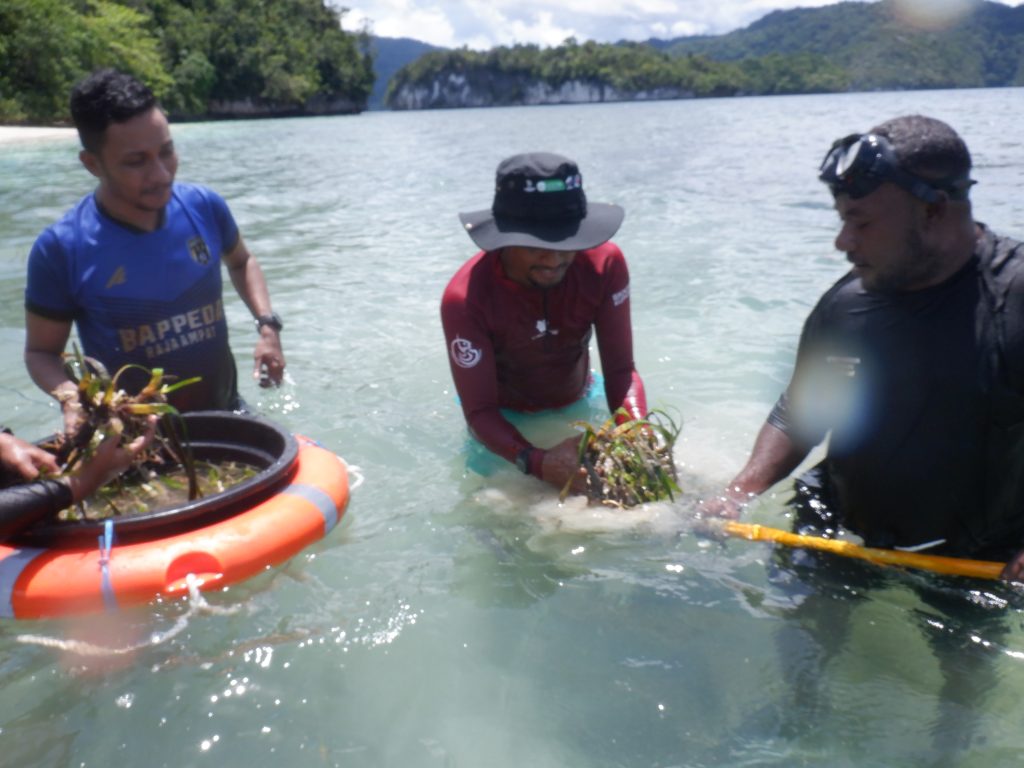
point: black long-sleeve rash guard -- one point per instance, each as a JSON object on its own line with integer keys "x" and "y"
{"x": 24, "y": 502}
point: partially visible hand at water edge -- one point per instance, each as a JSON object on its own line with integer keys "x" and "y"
{"x": 728, "y": 505}
{"x": 269, "y": 357}
{"x": 1014, "y": 570}
{"x": 561, "y": 463}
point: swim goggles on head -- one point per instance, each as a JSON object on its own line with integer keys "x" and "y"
{"x": 858, "y": 164}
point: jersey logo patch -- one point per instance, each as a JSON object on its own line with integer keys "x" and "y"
{"x": 118, "y": 278}
{"x": 543, "y": 330}
{"x": 620, "y": 296}
{"x": 464, "y": 354}
{"x": 198, "y": 251}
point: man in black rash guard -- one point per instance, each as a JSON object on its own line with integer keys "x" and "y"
{"x": 25, "y": 497}
{"x": 913, "y": 362}
{"x": 913, "y": 365}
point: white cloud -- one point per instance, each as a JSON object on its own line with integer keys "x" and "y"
{"x": 685, "y": 29}
{"x": 404, "y": 18}
{"x": 542, "y": 30}
{"x": 485, "y": 23}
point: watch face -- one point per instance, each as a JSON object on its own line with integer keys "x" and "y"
{"x": 272, "y": 320}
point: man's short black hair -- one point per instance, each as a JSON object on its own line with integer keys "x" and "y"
{"x": 104, "y": 97}
{"x": 927, "y": 147}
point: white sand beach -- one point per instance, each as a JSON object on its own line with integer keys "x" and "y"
{"x": 18, "y": 134}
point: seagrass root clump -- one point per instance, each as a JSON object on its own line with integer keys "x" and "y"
{"x": 630, "y": 462}
{"x": 108, "y": 411}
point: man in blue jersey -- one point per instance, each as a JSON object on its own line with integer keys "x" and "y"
{"x": 136, "y": 264}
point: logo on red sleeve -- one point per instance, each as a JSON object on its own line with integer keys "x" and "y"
{"x": 464, "y": 353}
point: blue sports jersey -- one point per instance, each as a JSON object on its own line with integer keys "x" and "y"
{"x": 151, "y": 298}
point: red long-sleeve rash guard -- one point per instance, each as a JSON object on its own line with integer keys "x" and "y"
{"x": 526, "y": 348}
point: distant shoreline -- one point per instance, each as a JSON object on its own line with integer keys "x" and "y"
{"x": 21, "y": 134}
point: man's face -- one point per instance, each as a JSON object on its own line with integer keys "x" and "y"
{"x": 538, "y": 267}
{"x": 882, "y": 236}
{"x": 135, "y": 165}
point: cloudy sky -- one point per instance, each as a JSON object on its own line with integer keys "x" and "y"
{"x": 486, "y": 23}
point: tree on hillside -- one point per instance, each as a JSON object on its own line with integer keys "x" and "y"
{"x": 47, "y": 45}
{"x": 283, "y": 53}
{"x": 879, "y": 48}
{"x": 504, "y": 75}
{"x": 284, "y": 56}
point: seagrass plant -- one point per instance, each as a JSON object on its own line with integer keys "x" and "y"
{"x": 630, "y": 462}
{"x": 108, "y": 411}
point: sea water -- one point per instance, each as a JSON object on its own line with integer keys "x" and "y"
{"x": 461, "y": 619}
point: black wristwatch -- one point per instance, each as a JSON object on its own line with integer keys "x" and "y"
{"x": 273, "y": 320}
{"x": 523, "y": 460}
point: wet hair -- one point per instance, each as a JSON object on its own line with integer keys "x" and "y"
{"x": 104, "y": 97}
{"x": 927, "y": 148}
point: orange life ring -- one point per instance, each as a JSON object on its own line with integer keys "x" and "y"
{"x": 43, "y": 582}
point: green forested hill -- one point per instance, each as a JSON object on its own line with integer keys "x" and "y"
{"x": 527, "y": 74}
{"x": 390, "y": 54}
{"x": 841, "y": 47}
{"x": 202, "y": 57}
{"x": 881, "y": 48}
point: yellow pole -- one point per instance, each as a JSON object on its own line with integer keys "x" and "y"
{"x": 954, "y": 566}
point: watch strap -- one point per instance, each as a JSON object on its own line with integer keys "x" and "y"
{"x": 273, "y": 320}
{"x": 523, "y": 460}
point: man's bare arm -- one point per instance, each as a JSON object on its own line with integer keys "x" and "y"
{"x": 45, "y": 341}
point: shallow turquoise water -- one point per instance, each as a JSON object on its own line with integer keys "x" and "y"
{"x": 461, "y": 621}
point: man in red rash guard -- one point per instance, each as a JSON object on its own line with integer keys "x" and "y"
{"x": 518, "y": 316}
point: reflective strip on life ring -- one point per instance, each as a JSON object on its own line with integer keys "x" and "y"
{"x": 12, "y": 563}
{"x": 38, "y": 583}
{"x": 321, "y": 500}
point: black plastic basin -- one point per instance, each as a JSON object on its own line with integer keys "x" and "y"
{"x": 214, "y": 436}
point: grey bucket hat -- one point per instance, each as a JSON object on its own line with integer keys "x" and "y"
{"x": 539, "y": 203}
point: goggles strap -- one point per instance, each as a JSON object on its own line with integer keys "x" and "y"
{"x": 859, "y": 163}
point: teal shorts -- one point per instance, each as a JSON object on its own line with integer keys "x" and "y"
{"x": 542, "y": 428}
